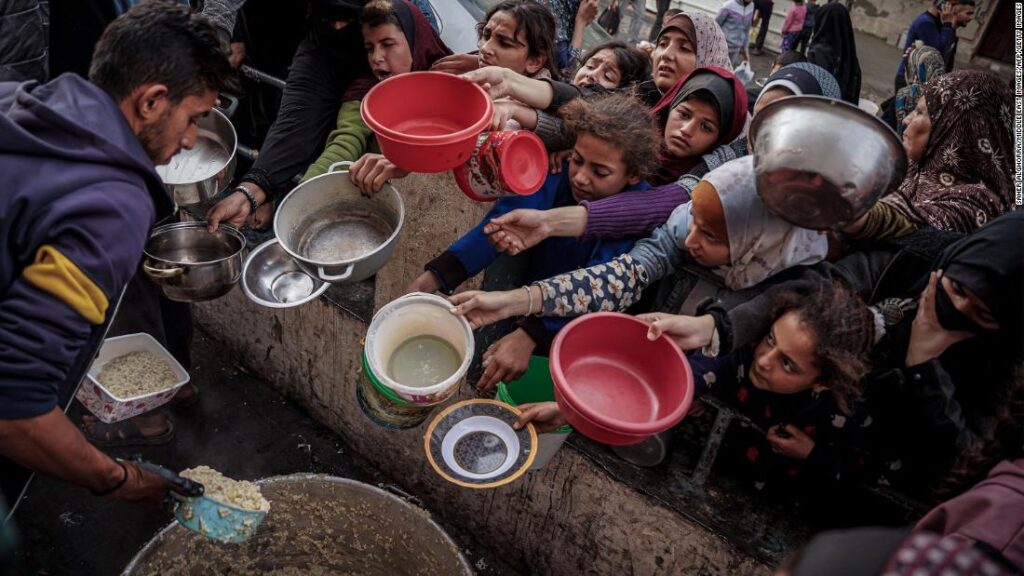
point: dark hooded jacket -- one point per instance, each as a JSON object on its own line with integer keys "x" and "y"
{"x": 78, "y": 199}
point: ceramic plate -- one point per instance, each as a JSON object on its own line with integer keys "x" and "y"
{"x": 473, "y": 444}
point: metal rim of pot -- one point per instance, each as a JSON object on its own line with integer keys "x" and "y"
{"x": 350, "y": 264}
{"x": 274, "y": 304}
{"x": 198, "y": 191}
{"x": 177, "y": 267}
{"x": 393, "y": 493}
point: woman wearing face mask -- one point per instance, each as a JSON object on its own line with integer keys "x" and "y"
{"x": 944, "y": 357}
{"x": 960, "y": 146}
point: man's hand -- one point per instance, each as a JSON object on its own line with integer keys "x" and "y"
{"x": 372, "y": 171}
{"x": 688, "y": 332}
{"x": 426, "y": 282}
{"x": 457, "y": 63}
{"x": 486, "y": 308}
{"x": 232, "y": 210}
{"x": 143, "y": 487}
{"x": 928, "y": 338}
{"x": 518, "y": 231}
{"x": 506, "y": 360}
{"x": 790, "y": 441}
{"x": 947, "y": 14}
{"x": 545, "y": 416}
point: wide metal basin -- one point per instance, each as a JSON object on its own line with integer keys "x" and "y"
{"x": 335, "y": 233}
{"x": 823, "y": 163}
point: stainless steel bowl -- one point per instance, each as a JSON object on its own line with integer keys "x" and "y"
{"x": 272, "y": 278}
{"x": 822, "y": 163}
{"x": 193, "y": 177}
{"x": 335, "y": 233}
{"x": 192, "y": 265}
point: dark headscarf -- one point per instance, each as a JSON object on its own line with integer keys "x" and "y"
{"x": 731, "y": 97}
{"x": 424, "y": 43}
{"x": 803, "y": 79}
{"x": 834, "y": 48}
{"x": 965, "y": 176}
{"x": 989, "y": 263}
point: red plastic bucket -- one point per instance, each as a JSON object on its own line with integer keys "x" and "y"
{"x": 427, "y": 121}
{"x": 506, "y": 163}
{"x": 613, "y": 384}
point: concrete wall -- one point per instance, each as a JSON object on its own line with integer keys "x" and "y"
{"x": 570, "y": 518}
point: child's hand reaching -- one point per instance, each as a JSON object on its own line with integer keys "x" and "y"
{"x": 372, "y": 171}
{"x": 506, "y": 360}
{"x": 688, "y": 332}
{"x": 486, "y": 308}
{"x": 790, "y": 441}
{"x": 545, "y": 416}
{"x": 517, "y": 231}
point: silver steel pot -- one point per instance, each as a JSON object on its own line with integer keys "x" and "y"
{"x": 193, "y": 177}
{"x": 335, "y": 233}
{"x": 822, "y": 163}
{"x": 192, "y": 265}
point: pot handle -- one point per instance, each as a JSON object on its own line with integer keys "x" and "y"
{"x": 162, "y": 273}
{"x": 347, "y": 164}
{"x": 332, "y": 279}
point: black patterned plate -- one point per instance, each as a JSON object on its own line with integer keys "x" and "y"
{"x": 472, "y": 444}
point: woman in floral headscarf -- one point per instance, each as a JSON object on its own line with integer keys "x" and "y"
{"x": 686, "y": 42}
{"x": 960, "y": 146}
{"x": 924, "y": 64}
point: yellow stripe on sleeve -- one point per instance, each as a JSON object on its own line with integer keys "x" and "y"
{"x": 54, "y": 274}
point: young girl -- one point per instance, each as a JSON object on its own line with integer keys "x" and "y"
{"x": 793, "y": 25}
{"x": 514, "y": 34}
{"x": 614, "y": 149}
{"x": 797, "y": 384}
{"x": 725, "y": 228}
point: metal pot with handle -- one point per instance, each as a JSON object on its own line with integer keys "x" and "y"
{"x": 191, "y": 264}
{"x": 194, "y": 177}
{"x": 334, "y": 232}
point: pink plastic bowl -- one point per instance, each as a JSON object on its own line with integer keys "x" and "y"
{"x": 613, "y": 384}
{"x": 427, "y": 121}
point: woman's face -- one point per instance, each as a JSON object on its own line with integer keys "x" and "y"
{"x": 970, "y": 304}
{"x": 917, "y": 127}
{"x": 673, "y": 56}
{"x": 500, "y": 45}
{"x": 691, "y": 129}
{"x": 771, "y": 95}
{"x": 596, "y": 169}
{"x": 784, "y": 359}
{"x": 704, "y": 245}
{"x": 387, "y": 50}
{"x": 602, "y": 68}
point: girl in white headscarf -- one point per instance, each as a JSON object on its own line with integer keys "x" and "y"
{"x": 724, "y": 228}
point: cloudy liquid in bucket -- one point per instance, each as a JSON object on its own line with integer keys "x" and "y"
{"x": 423, "y": 361}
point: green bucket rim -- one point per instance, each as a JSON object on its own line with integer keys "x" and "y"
{"x": 388, "y": 392}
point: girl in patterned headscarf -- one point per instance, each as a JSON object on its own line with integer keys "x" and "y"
{"x": 960, "y": 147}
{"x": 686, "y": 42}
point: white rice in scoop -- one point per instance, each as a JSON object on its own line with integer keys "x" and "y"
{"x": 238, "y": 493}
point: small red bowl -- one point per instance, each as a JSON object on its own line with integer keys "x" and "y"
{"x": 616, "y": 383}
{"x": 427, "y": 121}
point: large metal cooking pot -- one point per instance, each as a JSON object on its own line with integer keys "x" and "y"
{"x": 192, "y": 265}
{"x": 317, "y": 524}
{"x": 822, "y": 163}
{"x": 335, "y": 233}
{"x": 193, "y": 177}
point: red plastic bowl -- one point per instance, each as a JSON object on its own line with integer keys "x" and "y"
{"x": 613, "y": 384}
{"x": 427, "y": 121}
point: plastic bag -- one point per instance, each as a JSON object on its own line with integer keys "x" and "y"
{"x": 744, "y": 72}
{"x": 609, "y": 19}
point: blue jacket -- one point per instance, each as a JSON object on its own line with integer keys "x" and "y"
{"x": 78, "y": 199}
{"x": 549, "y": 258}
{"x": 932, "y": 32}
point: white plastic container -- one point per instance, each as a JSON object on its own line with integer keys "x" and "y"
{"x": 109, "y": 408}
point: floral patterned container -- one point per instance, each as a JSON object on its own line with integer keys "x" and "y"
{"x": 506, "y": 163}
{"x": 109, "y": 408}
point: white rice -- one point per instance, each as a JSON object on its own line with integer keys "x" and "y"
{"x": 238, "y": 493}
{"x": 137, "y": 374}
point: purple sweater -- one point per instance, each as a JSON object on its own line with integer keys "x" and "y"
{"x": 634, "y": 213}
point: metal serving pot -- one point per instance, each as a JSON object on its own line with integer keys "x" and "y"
{"x": 193, "y": 177}
{"x": 192, "y": 265}
{"x": 335, "y": 233}
{"x": 822, "y": 163}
